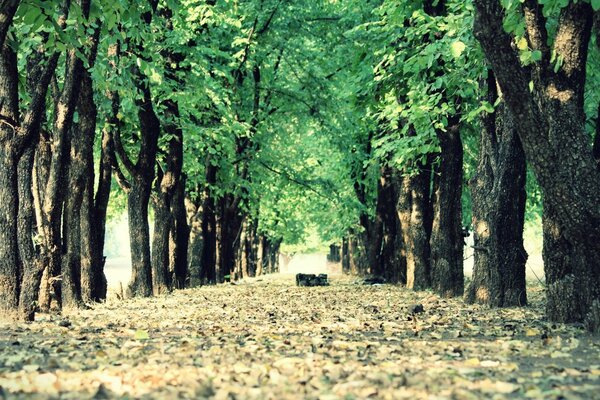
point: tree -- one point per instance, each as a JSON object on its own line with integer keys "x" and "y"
{"x": 542, "y": 79}
{"x": 498, "y": 193}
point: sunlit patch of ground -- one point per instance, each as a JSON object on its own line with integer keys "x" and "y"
{"x": 267, "y": 339}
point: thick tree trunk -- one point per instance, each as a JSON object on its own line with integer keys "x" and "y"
{"x": 32, "y": 267}
{"x": 78, "y": 274}
{"x": 550, "y": 122}
{"x": 9, "y": 117}
{"x": 161, "y": 282}
{"x": 139, "y": 239}
{"x": 274, "y": 256}
{"x": 17, "y": 136}
{"x": 265, "y": 259}
{"x": 71, "y": 263}
{"x": 208, "y": 260}
{"x": 414, "y": 211}
{"x": 180, "y": 237}
{"x": 447, "y": 276}
{"x": 345, "y": 256}
{"x": 8, "y": 8}
{"x": 229, "y": 240}
{"x": 334, "y": 255}
{"x": 93, "y": 209}
{"x": 498, "y": 198}
{"x": 393, "y": 257}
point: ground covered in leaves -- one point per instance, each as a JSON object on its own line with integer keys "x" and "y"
{"x": 267, "y": 339}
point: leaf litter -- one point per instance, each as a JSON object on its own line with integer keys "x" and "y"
{"x": 267, "y": 339}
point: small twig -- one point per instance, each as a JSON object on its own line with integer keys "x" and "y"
{"x": 14, "y": 128}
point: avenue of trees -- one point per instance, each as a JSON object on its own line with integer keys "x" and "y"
{"x": 388, "y": 127}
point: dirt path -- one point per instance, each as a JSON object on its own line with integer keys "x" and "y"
{"x": 267, "y": 339}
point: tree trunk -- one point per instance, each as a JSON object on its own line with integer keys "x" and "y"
{"x": 32, "y": 267}
{"x": 71, "y": 264}
{"x": 447, "y": 242}
{"x": 93, "y": 210}
{"x": 79, "y": 273}
{"x": 252, "y": 244}
{"x": 160, "y": 242}
{"x": 18, "y": 136}
{"x": 334, "y": 255}
{"x": 9, "y": 251}
{"x": 414, "y": 210}
{"x": 230, "y": 223}
{"x": 550, "y": 120}
{"x": 498, "y": 198}
{"x": 139, "y": 239}
{"x": 208, "y": 260}
{"x": 345, "y": 256}
{"x": 393, "y": 257}
{"x": 194, "y": 255}
{"x": 180, "y": 237}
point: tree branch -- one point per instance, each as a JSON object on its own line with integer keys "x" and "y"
{"x": 8, "y": 8}
{"x": 537, "y": 35}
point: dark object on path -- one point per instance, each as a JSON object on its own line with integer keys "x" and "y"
{"x": 65, "y": 323}
{"x": 311, "y": 280}
{"x": 373, "y": 280}
{"x": 416, "y": 309}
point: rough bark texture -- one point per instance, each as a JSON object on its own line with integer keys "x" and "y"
{"x": 180, "y": 237}
{"x": 139, "y": 196}
{"x": 446, "y": 241}
{"x": 32, "y": 267}
{"x": 139, "y": 239}
{"x": 194, "y": 220}
{"x": 550, "y": 121}
{"x": 9, "y": 117}
{"x": 208, "y": 259}
{"x": 414, "y": 210}
{"x": 55, "y": 194}
{"x": 161, "y": 282}
{"x": 498, "y": 198}
{"x": 392, "y": 256}
{"x": 8, "y": 8}
{"x": 78, "y": 227}
{"x": 230, "y": 227}
{"x": 94, "y": 209}
{"x": 345, "y": 256}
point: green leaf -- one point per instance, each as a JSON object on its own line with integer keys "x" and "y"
{"x": 141, "y": 334}
{"x": 536, "y": 55}
{"x": 595, "y": 4}
{"x": 522, "y": 44}
{"x": 457, "y": 48}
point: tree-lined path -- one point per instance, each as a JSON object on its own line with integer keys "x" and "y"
{"x": 268, "y": 339}
{"x": 398, "y": 138}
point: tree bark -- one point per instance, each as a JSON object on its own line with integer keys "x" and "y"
{"x": 414, "y": 210}
{"x": 550, "y": 122}
{"x": 139, "y": 195}
{"x": 498, "y": 198}
{"x": 392, "y": 257}
{"x": 194, "y": 255}
{"x": 180, "y": 237}
{"x": 8, "y": 8}
{"x": 446, "y": 243}
{"x": 9, "y": 119}
{"x": 345, "y": 256}
{"x": 208, "y": 261}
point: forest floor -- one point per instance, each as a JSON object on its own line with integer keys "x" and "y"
{"x": 267, "y": 339}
